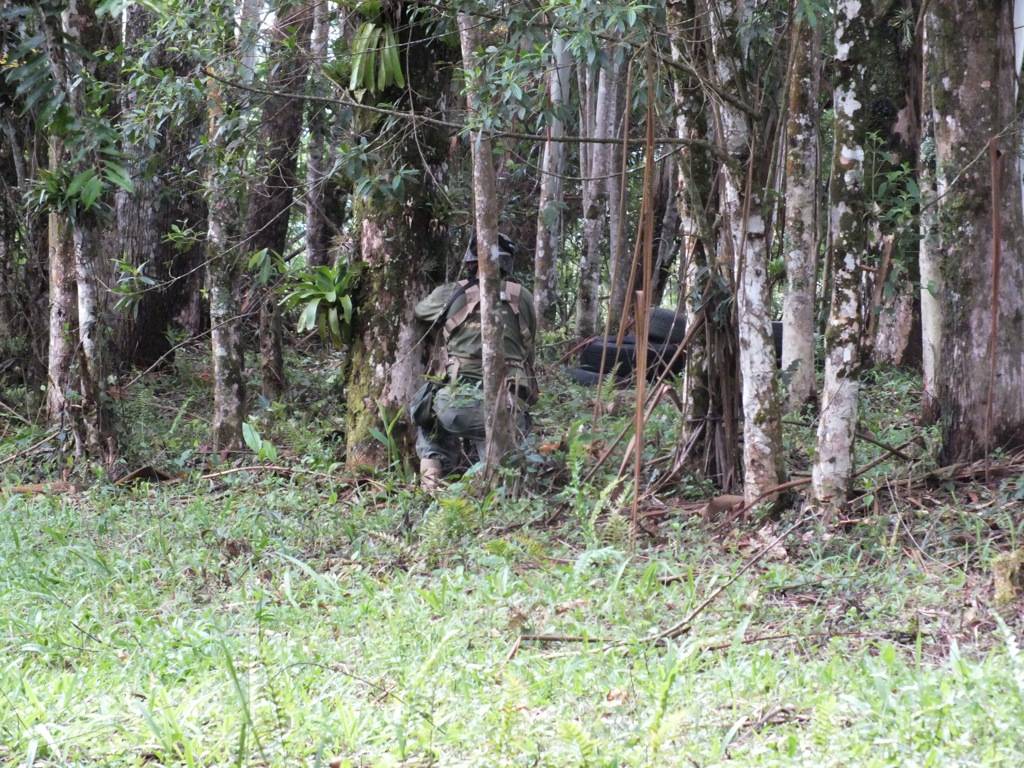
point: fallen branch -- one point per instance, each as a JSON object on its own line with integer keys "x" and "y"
{"x": 15, "y": 414}
{"x": 49, "y": 436}
{"x": 683, "y": 626}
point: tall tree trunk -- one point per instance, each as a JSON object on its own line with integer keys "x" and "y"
{"x": 929, "y": 252}
{"x": 712, "y": 390}
{"x": 850, "y": 232}
{"x": 801, "y": 243}
{"x": 497, "y": 417}
{"x": 551, "y": 200}
{"x": 399, "y": 242}
{"x": 746, "y": 245}
{"x": 97, "y": 423}
{"x": 666, "y": 236}
{"x": 156, "y": 156}
{"x": 270, "y": 201}
{"x": 222, "y": 260}
{"x": 69, "y": 40}
{"x": 63, "y": 315}
{"x": 221, "y": 277}
{"x": 594, "y": 122}
{"x": 620, "y": 258}
{"x": 981, "y": 227}
{"x": 319, "y": 186}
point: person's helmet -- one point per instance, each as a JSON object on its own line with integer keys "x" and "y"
{"x": 506, "y": 253}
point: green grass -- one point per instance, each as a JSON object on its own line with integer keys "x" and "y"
{"x": 262, "y": 624}
{"x": 264, "y": 621}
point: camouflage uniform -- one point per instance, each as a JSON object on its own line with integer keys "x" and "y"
{"x": 458, "y": 406}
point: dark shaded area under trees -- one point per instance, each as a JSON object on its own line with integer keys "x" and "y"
{"x": 184, "y": 175}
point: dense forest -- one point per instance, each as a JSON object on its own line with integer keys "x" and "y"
{"x": 775, "y": 252}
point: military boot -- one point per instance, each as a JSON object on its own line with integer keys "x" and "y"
{"x": 431, "y": 474}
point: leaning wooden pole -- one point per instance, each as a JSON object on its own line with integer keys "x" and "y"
{"x": 643, "y": 297}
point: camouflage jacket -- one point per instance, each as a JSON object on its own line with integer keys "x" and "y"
{"x": 463, "y": 343}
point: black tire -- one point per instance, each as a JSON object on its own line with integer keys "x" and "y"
{"x": 587, "y": 378}
{"x": 621, "y": 359}
{"x": 660, "y": 355}
{"x": 664, "y": 325}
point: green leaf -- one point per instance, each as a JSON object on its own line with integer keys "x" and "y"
{"x": 78, "y": 181}
{"x": 118, "y": 176}
{"x": 91, "y": 191}
{"x": 394, "y": 63}
{"x": 307, "y": 321}
{"x": 267, "y": 451}
{"x": 251, "y": 437}
{"x": 370, "y": 56}
{"x": 332, "y": 321}
{"x": 346, "y": 306}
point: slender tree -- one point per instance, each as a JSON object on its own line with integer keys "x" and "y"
{"x": 744, "y": 242}
{"x": 69, "y": 40}
{"x": 929, "y": 249}
{"x": 801, "y": 242}
{"x": 597, "y": 105}
{"x": 222, "y": 257}
{"x": 270, "y": 199}
{"x": 323, "y": 211}
{"x": 485, "y": 203}
{"x": 850, "y": 237}
{"x": 551, "y": 199}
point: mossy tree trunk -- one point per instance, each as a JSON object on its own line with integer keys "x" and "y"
{"x": 497, "y": 418}
{"x": 70, "y": 40}
{"x": 929, "y": 258}
{"x": 595, "y": 105}
{"x": 981, "y": 377}
{"x": 801, "y": 241}
{"x": 552, "y": 198}
{"x": 157, "y": 152}
{"x": 744, "y": 243}
{"x": 270, "y": 200}
{"x": 402, "y": 243}
{"x": 850, "y": 238}
{"x": 63, "y": 314}
{"x": 712, "y": 394}
{"x": 222, "y": 257}
{"x": 324, "y": 198}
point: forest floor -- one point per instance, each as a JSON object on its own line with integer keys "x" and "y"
{"x": 283, "y": 618}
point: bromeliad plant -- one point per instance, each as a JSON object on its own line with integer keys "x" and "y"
{"x": 324, "y": 296}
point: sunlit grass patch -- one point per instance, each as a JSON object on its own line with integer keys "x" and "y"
{"x": 180, "y": 626}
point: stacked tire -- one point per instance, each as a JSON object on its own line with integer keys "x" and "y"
{"x": 602, "y": 356}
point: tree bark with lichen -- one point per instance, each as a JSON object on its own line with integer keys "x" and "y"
{"x": 270, "y": 199}
{"x": 801, "y": 241}
{"x": 222, "y": 258}
{"x": 497, "y": 418}
{"x": 744, "y": 245}
{"x": 402, "y": 239}
{"x": 551, "y": 198}
{"x": 980, "y": 385}
{"x": 850, "y": 238}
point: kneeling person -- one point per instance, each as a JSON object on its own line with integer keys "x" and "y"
{"x": 455, "y": 418}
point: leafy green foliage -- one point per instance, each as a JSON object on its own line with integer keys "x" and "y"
{"x": 323, "y": 296}
{"x": 375, "y": 60}
{"x": 132, "y": 283}
{"x": 264, "y": 449}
